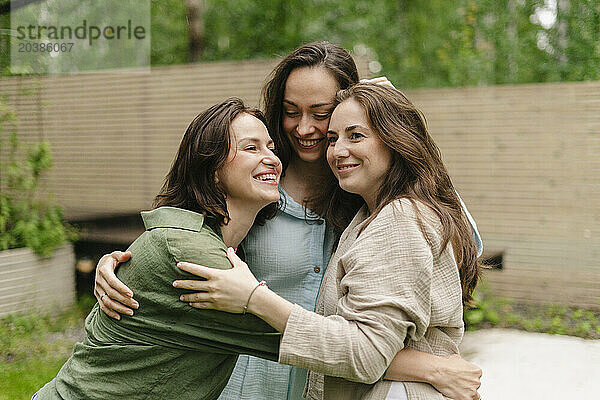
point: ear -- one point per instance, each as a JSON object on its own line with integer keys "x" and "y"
{"x": 217, "y": 177}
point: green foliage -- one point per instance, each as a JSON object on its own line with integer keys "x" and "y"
{"x": 417, "y": 44}
{"x": 492, "y": 311}
{"x": 25, "y": 219}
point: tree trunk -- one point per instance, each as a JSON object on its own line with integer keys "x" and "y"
{"x": 562, "y": 12}
{"x": 196, "y": 29}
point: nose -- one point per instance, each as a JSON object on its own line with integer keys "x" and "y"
{"x": 305, "y": 126}
{"x": 340, "y": 150}
{"x": 271, "y": 160}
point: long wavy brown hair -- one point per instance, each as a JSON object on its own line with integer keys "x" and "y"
{"x": 340, "y": 64}
{"x": 416, "y": 173}
{"x": 190, "y": 183}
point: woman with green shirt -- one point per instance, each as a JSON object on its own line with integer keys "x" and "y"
{"x": 224, "y": 178}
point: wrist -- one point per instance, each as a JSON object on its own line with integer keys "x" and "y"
{"x": 434, "y": 374}
{"x": 270, "y": 307}
{"x": 257, "y": 299}
{"x": 257, "y": 286}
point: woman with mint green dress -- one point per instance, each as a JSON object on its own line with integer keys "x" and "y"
{"x": 291, "y": 251}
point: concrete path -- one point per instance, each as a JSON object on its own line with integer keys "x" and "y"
{"x": 522, "y": 365}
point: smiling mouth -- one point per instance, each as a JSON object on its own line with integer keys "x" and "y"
{"x": 269, "y": 178}
{"x": 346, "y": 168}
{"x": 309, "y": 143}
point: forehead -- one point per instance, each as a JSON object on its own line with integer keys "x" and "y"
{"x": 348, "y": 112}
{"x": 310, "y": 85}
{"x": 246, "y": 126}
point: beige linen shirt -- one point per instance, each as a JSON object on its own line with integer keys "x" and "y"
{"x": 383, "y": 289}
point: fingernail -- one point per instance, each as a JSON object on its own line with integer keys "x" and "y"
{"x": 181, "y": 298}
{"x": 136, "y": 304}
{"x": 129, "y": 312}
{"x": 175, "y": 284}
{"x": 118, "y": 317}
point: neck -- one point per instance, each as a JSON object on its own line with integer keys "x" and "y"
{"x": 370, "y": 201}
{"x": 303, "y": 178}
{"x": 241, "y": 219}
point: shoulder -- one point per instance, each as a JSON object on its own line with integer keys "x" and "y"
{"x": 406, "y": 212}
{"x": 203, "y": 247}
{"x": 405, "y": 221}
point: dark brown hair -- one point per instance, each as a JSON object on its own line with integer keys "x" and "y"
{"x": 190, "y": 184}
{"x": 333, "y": 58}
{"x": 416, "y": 172}
{"x": 340, "y": 64}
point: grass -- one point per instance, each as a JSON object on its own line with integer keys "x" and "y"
{"x": 34, "y": 347}
{"x": 492, "y": 311}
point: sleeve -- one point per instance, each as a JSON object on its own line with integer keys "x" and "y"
{"x": 474, "y": 230}
{"x": 385, "y": 299}
{"x": 168, "y": 321}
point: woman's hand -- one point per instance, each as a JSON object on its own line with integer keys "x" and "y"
{"x": 381, "y": 80}
{"x": 457, "y": 378}
{"x": 225, "y": 290}
{"x": 112, "y": 295}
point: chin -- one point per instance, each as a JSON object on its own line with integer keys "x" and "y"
{"x": 273, "y": 198}
{"x": 310, "y": 157}
{"x": 348, "y": 188}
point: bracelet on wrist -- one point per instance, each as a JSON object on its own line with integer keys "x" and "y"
{"x": 261, "y": 283}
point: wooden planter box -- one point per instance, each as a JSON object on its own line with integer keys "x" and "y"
{"x": 30, "y": 283}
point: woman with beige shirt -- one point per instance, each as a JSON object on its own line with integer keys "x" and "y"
{"x": 401, "y": 273}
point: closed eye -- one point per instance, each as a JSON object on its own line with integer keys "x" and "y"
{"x": 322, "y": 117}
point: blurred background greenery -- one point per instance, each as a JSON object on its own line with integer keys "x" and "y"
{"x": 415, "y": 43}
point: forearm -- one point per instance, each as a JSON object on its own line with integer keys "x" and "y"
{"x": 270, "y": 307}
{"x": 276, "y": 311}
{"x": 411, "y": 365}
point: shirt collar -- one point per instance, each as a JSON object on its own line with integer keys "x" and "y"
{"x": 291, "y": 207}
{"x": 173, "y": 217}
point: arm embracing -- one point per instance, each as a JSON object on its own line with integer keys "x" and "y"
{"x": 187, "y": 327}
{"x": 385, "y": 298}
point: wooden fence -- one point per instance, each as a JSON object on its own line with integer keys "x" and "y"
{"x": 525, "y": 158}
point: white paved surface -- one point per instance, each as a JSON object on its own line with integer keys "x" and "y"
{"x": 521, "y": 365}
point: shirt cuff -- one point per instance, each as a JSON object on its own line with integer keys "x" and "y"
{"x": 298, "y": 336}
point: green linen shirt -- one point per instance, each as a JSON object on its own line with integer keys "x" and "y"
{"x": 167, "y": 349}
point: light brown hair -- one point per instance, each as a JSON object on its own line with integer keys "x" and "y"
{"x": 417, "y": 172}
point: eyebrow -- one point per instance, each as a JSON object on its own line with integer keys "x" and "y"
{"x": 349, "y": 128}
{"x": 312, "y": 106}
{"x": 353, "y": 127}
{"x": 254, "y": 140}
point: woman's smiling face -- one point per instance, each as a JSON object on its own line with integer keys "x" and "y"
{"x": 357, "y": 156}
{"x": 251, "y": 172}
{"x": 307, "y": 104}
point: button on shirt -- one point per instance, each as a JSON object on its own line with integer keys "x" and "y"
{"x": 291, "y": 255}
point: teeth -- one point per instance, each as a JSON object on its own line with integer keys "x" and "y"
{"x": 266, "y": 177}
{"x": 346, "y": 167}
{"x": 308, "y": 143}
